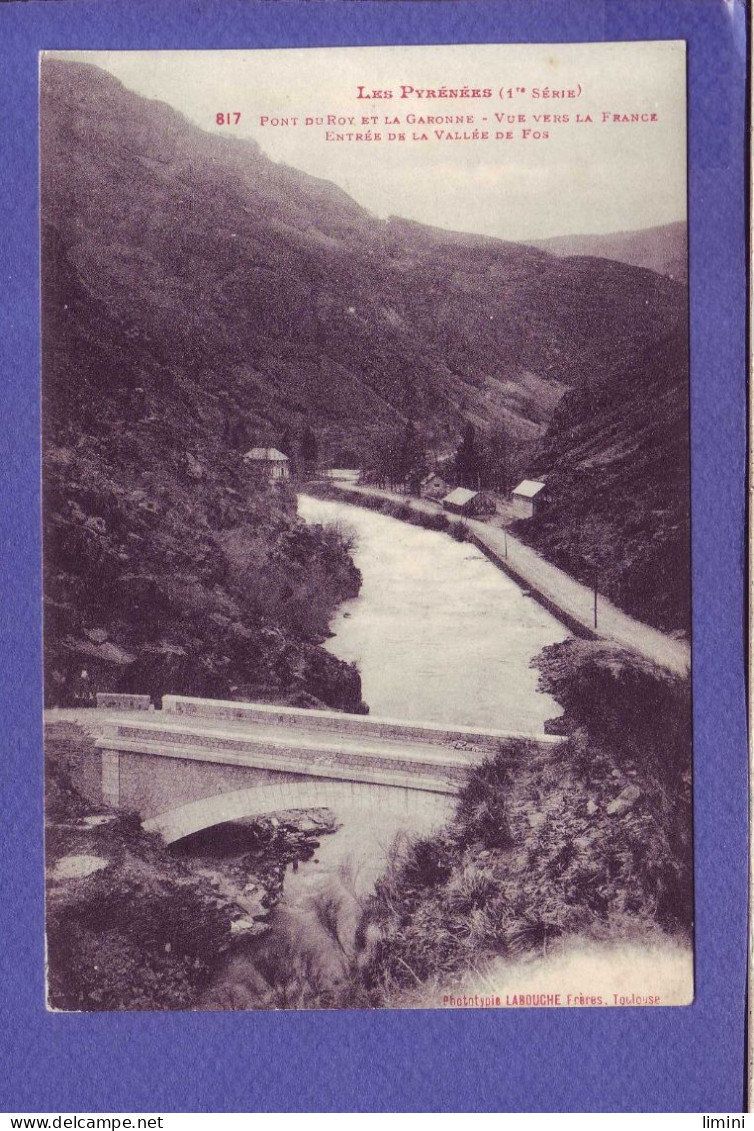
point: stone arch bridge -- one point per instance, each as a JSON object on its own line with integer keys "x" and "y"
{"x": 200, "y": 762}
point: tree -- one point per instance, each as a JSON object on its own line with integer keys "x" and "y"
{"x": 410, "y": 465}
{"x": 468, "y": 460}
{"x": 237, "y": 432}
{"x": 394, "y": 459}
{"x": 497, "y": 454}
{"x": 286, "y": 443}
{"x": 308, "y": 449}
{"x": 288, "y": 448}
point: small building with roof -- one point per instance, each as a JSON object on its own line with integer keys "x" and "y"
{"x": 433, "y": 486}
{"x": 528, "y": 497}
{"x": 461, "y": 500}
{"x": 268, "y": 464}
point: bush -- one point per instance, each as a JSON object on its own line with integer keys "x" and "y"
{"x": 437, "y": 522}
{"x": 471, "y": 889}
{"x": 460, "y": 531}
{"x": 341, "y": 535}
{"x": 126, "y": 945}
{"x": 426, "y": 863}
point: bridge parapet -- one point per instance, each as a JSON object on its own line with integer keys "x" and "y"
{"x": 361, "y": 726}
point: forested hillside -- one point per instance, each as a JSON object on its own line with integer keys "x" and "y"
{"x": 616, "y": 462}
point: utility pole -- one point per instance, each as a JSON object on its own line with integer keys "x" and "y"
{"x": 595, "y": 596}
{"x": 505, "y": 542}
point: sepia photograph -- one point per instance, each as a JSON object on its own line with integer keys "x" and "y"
{"x": 366, "y": 528}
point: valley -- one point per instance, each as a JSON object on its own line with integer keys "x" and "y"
{"x": 219, "y": 332}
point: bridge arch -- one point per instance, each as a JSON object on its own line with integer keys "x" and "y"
{"x": 367, "y": 797}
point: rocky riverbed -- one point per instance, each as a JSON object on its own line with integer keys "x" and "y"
{"x": 248, "y": 859}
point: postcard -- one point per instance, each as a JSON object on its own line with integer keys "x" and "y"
{"x": 366, "y": 496}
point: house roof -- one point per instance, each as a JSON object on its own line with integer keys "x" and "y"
{"x": 460, "y": 496}
{"x": 528, "y": 488}
{"x": 269, "y": 455}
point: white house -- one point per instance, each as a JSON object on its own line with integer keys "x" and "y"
{"x": 268, "y": 463}
{"x": 528, "y": 497}
{"x": 461, "y": 501}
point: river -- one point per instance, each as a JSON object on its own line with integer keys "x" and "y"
{"x": 438, "y": 632}
{"x": 440, "y": 635}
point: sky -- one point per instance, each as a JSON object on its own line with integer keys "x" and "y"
{"x": 586, "y": 177}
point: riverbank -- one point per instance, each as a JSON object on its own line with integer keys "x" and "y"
{"x": 563, "y": 596}
{"x": 127, "y": 926}
{"x": 192, "y": 584}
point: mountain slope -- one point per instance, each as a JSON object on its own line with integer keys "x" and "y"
{"x": 616, "y": 465}
{"x": 145, "y": 500}
{"x": 281, "y": 296}
{"x": 663, "y": 248}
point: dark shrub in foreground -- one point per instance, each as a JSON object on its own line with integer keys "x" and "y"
{"x": 438, "y": 522}
{"x": 119, "y": 941}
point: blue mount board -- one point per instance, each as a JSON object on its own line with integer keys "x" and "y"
{"x": 683, "y": 1059}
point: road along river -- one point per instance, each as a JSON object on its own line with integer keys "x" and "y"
{"x": 440, "y": 636}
